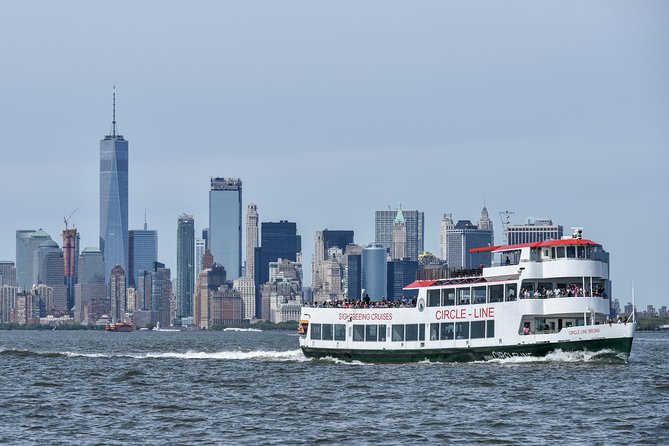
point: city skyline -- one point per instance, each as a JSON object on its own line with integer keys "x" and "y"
{"x": 538, "y": 132}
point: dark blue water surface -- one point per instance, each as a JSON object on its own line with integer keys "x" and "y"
{"x": 75, "y": 387}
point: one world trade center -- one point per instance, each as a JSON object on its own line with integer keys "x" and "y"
{"x": 114, "y": 199}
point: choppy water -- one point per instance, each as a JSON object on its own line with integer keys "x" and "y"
{"x": 257, "y": 388}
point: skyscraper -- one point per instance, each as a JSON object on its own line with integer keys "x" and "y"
{"x": 161, "y": 293}
{"x": 445, "y": 226}
{"x": 142, "y": 252}
{"x": 466, "y": 236}
{"x": 336, "y": 238}
{"x": 50, "y": 272}
{"x": 278, "y": 240}
{"x": 400, "y": 274}
{"x": 114, "y": 199}
{"x": 91, "y": 286}
{"x": 251, "y": 238}
{"x": 323, "y": 241}
{"x": 374, "y": 271}
{"x": 70, "y": 262}
{"x": 398, "y": 249}
{"x": 7, "y": 273}
{"x": 200, "y": 246}
{"x": 37, "y": 239}
{"x": 118, "y": 299}
{"x": 415, "y": 228}
{"x": 24, "y": 259}
{"x": 185, "y": 265}
{"x": 225, "y": 224}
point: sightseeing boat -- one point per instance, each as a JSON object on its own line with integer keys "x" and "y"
{"x": 534, "y": 299}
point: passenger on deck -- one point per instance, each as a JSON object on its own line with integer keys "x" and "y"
{"x": 526, "y": 330}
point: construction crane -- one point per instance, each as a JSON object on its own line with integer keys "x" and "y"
{"x": 67, "y": 219}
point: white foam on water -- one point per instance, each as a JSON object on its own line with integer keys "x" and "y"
{"x": 562, "y": 356}
{"x": 340, "y": 361}
{"x": 289, "y": 355}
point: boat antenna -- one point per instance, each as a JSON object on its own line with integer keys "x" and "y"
{"x": 633, "y": 304}
{"x": 506, "y": 220}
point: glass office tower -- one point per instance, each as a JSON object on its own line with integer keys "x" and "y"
{"x": 225, "y": 224}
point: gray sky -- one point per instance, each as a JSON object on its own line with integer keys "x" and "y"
{"x": 329, "y": 111}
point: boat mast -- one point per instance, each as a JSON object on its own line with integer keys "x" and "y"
{"x": 633, "y": 304}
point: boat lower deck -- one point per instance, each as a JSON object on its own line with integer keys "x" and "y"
{"x": 621, "y": 345}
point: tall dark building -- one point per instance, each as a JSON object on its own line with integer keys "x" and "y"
{"x": 185, "y": 265}
{"x": 142, "y": 252}
{"x": 400, "y": 274}
{"x": 114, "y": 199}
{"x": 336, "y": 238}
{"x": 278, "y": 240}
{"x": 354, "y": 277}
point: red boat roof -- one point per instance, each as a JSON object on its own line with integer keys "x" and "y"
{"x": 420, "y": 284}
{"x": 459, "y": 280}
{"x": 561, "y": 242}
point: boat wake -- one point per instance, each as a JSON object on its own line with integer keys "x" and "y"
{"x": 560, "y": 356}
{"x": 258, "y": 355}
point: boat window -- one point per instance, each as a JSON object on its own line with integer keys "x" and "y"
{"x": 478, "y": 329}
{"x": 559, "y": 252}
{"x": 358, "y": 333}
{"x": 580, "y": 252}
{"x": 316, "y": 332}
{"x": 398, "y": 332}
{"x": 448, "y": 297}
{"x": 370, "y": 333}
{"x": 534, "y": 254}
{"x": 511, "y": 292}
{"x": 490, "y": 329}
{"x": 434, "y": 332}
{"x": 496, "y": 293}
{"x": 447, "y": 330}
{"x": 421, "y": 332}
{"x": 327, "y": 332}
{"x": 382, "y": 333}
{"x": 571, "y": 251}
{"x": 411, "y": 332}
{"x": 464, "y": 295}
{"x": 462, "y": 330}
{"x": 479, "y": 295}
{"x": 506, "y": 258}
{"x": 340, "y": 332}
{"x": 433, "y": 297}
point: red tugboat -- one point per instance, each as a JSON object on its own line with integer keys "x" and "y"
{"x": 120, "y": 327}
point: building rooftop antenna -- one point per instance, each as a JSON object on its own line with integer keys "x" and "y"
{"x": 114, "y": 111}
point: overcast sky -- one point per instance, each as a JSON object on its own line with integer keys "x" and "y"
{"x": 328, "y": 111}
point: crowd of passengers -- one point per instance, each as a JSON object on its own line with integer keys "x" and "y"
{"x": 366, "y": 302}
{"x": 572, "y": 290}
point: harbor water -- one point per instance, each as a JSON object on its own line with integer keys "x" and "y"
{"x": 83, "y": 387}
